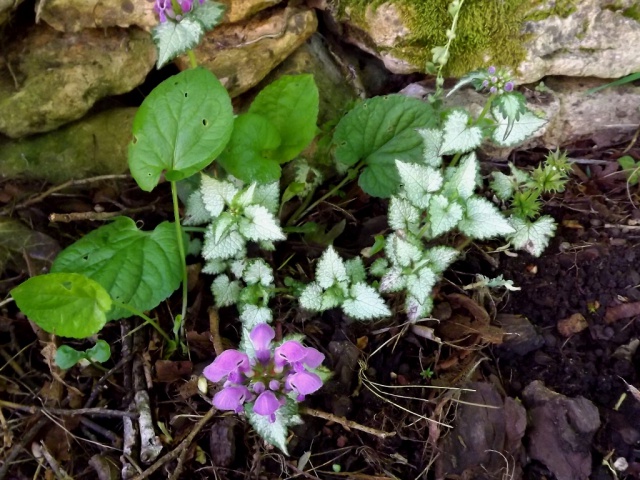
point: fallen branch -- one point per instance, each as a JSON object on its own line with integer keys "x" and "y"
{"x": 348, "y": 424}
{"x": 176, "y": 452}
{"x": 62, "y": 412}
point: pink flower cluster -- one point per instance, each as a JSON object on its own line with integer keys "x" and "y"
{"x": 164, "y": 9}
{"x": 267, "y": 378}
{"x": 497, "y": 81}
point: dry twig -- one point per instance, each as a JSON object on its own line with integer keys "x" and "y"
{"x": 348, "y": 424}
{"x": 176, "y": 452}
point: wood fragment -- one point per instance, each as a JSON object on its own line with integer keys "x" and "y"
{"x": 62, "y": 412}
{"x": 178, "y": 450}
{"x": 347, "y": 424}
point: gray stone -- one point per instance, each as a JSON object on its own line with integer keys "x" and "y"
{"x": 49, "y": 78}
{"x": 487, "y": 430}
{"x": 561, "y": 430}
{"x": 96, "y": 145}
{"x": 242, "y": 54}
{"x": 535, "y": 39}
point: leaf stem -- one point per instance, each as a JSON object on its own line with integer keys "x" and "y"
{"x": 483, "y": 114}
{"x": 193, "y": 63}
{"x": 183, "y": 259}
{"x": 147, "y": 319}
{"x": 486, "y": 108}
{"x": 351, "y": 174}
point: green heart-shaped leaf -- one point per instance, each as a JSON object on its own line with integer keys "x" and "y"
{"x": 179, "y": 129}
{"x": 137, "y": 268}
{"x": 65, "y": 304}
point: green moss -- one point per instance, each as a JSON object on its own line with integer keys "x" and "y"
{"x": 488, "y": 32}
{"x": 632, "y": 12}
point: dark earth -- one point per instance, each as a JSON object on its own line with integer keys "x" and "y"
{"x": 534, "y": 384}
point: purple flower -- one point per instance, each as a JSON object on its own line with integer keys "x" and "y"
{"x": 261, "y": 337}
{"x": 227, "y": 363}
{"x": 491, "y": 70}
{"x": 303, "y": 383}
{"x": 164, "y": 8}
{"x": 267, "y": 404}
{"x": 493, "y": 89}
{"x": 295, "y": 354}
{"x": 231, "y": 398}
{"x": 272, "y": 374}
{"x": 508, "y": 87}
{"x": 289, "y": 352}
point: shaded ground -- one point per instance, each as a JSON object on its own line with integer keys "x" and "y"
{"x": 398, "y": 384}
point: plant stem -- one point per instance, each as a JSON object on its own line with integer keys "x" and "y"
{"x": 193, "y": 63}
{"x": 147, "y": 319}
{"x": 351, "y": 174}
{"x": 486, "y": 108}
{"x": 183, "y": 258}
{"x": 483, "y": 114}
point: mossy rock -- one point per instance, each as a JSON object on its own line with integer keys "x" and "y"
{"x": 48, "y": 78}
{"x": 533, "y": 37}
{"x": 93, "y": 146}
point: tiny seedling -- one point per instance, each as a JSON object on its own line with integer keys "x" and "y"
{"x": 67, "y": 357}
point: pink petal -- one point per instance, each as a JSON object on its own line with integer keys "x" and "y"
{"x": 231, "y": 398}
{"x": 304, "y": 383}
{"x": 266, "y": 404}
{"x": 261, "y": 337}
{"x": 313, "y": 358}
{"x": 290, "y": 352}
{"x": 227, "y": 362}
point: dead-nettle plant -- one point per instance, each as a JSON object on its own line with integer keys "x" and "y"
{"x": 430, "y": 197}
{"x": 397, "y": 147}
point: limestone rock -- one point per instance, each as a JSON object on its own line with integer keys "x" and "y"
{"x": 536, "y": 39}
{"x": 238, "y": 10}
{"x": 96, "y": 145}
{"x": 242, "y": 54}
{"x": 49, "y": 78}
{"x": 76, "y": 15}
{"x": 608, "y": 117}
{"x": 7, "y": 7}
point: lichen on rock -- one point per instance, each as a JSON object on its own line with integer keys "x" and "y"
{"x": 50, "y": 78}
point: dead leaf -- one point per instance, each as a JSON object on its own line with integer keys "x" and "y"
{"x": 24, "y": 249}
{"x": 168, "y": 371}
{"x": 633, "y": 390}
{"x": 571, "y": 325}
{"x": 625, "y": 310}
{"x": 362, "y": 342}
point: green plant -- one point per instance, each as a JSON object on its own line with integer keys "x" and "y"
{"x": 631, "y": 169}
{"x": 67, "y": 357}
{"x": 419, "y": 156}
{"x": 632, "y": 77}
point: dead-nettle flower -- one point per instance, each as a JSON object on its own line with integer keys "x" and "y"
{"x": 498, "y": 81}
{"x": 266, "y": 378}
{"x": 164, "y": 9}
